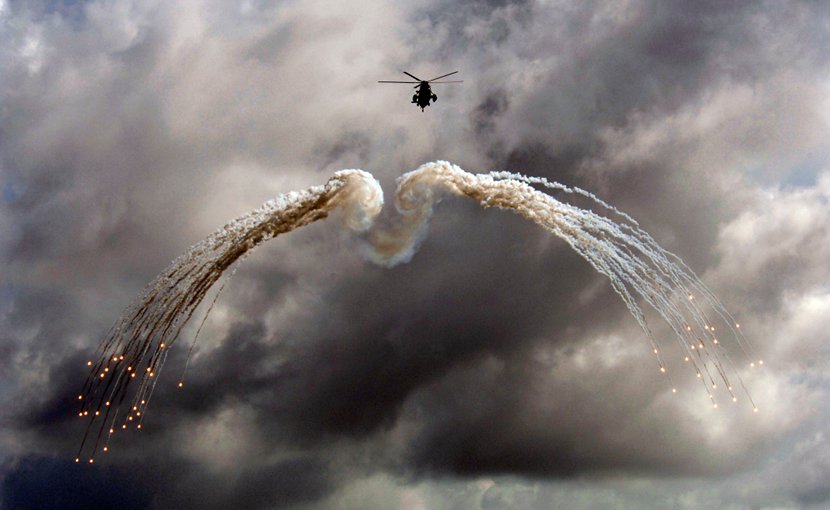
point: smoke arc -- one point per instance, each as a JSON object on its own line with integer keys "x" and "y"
{"x": 636, "y": 266}
{"x": 137, "y": 345}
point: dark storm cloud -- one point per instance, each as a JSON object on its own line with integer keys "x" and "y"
{"x": 371, "y": 349}
{"x": 281, "y": 484}
{"x": 47, "y": 483}
{"x": 40, "y": 317}
{"x": 645, "y": 57}
{"x": 129, "y": 131}
{"x": 348, "y": 152}
{"x": 255, "y": 485}
{"x": 45, "y": 410}
{"x": 350, "y": 367}
{"x": 42, "y": 483}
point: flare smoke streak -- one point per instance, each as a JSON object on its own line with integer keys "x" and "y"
{"x": 137, "y": 346}
{"x": 638, "y": 268}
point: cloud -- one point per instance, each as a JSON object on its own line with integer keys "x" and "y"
{"x": 39, "y": 482}
{"x": 494, "y": 369}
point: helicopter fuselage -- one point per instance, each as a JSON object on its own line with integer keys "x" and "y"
{"x": 424, "y": 95}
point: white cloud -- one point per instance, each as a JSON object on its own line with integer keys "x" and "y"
{"x": 782, "y": 234}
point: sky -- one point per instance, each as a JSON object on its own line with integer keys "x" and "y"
{"x": 496, "y": 369}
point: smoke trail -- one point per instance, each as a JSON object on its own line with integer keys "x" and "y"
{"x": 637, "y": 267}
{"x": 137, "y": 345}
{"x": 634, "y": 263}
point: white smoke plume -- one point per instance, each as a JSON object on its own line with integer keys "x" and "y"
{"x": 637, "y": 267}
{"x": 635, "y": 264}
{"x": 138, "y": 343}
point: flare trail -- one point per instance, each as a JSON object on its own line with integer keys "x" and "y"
{"x": 637, "y": 267}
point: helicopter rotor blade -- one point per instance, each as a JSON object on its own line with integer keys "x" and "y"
{"x": 407, "y": 82}
{"x": 443, "y": 76}
{"x": 412, "y": 76}
{"x": 458, "y": 81}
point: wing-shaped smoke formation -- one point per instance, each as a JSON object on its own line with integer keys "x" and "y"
{"x": 137, "y": 346}
{"x": 637, "y": 267}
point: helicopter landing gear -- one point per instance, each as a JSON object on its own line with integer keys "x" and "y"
{"x": 434, "y": 98}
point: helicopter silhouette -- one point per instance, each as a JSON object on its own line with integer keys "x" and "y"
{"x": 423, "y": 93}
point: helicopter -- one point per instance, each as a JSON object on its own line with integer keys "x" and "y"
{"x": 423, "y": 94}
